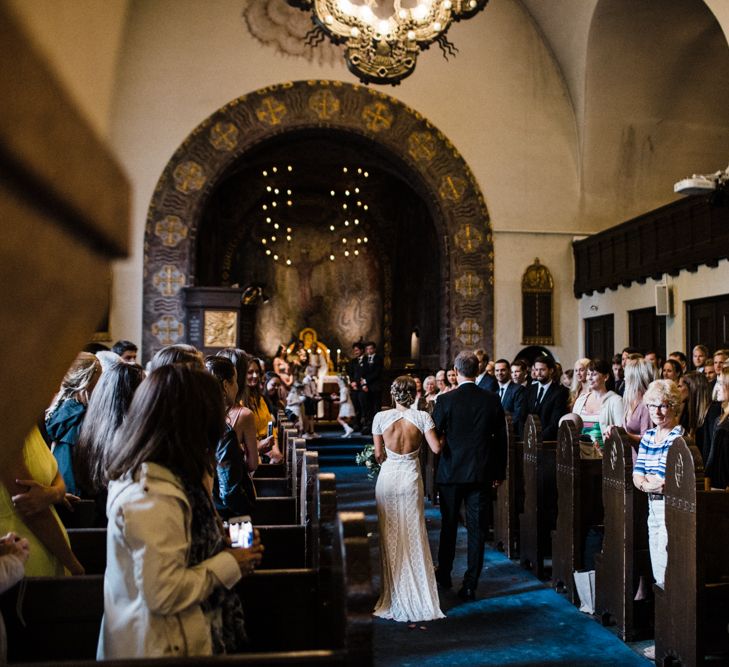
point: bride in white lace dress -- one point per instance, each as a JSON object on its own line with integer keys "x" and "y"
{"x": 409, "y": 590}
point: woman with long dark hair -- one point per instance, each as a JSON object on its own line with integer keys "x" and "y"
{"x": 170, "y": 571}
{"x": 696, "y": 399}
{"x": 106, "y": 410}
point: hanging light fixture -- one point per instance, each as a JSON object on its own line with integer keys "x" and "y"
{"x": 275, "y": 235}
{"x": 383, "y": 38}
{"x": 348, "y": 235}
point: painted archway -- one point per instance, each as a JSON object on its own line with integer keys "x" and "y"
{"x": 449, "y": 188}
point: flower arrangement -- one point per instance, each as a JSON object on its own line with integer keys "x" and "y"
{"x": 367, "y": 458}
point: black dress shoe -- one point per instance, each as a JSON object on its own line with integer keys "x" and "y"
{"x": 443, "y": 579}
{"x": 467, "y": 594}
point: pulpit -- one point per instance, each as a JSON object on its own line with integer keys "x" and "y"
{"x": 214, "y": 318}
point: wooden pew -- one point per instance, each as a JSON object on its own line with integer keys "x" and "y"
{"x": 692, "y": 610}
{"x": 61, "y": 616}
{"x": 624, "y": 558}
{"x": 579, "y": 508}
{"x": 270, "y": 470}
{"x": 510, "y": 496}
{"x": 540, "y": 498}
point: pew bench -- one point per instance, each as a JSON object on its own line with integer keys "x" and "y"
{"x": 510, "y": 496}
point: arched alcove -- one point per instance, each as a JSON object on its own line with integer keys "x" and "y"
{"x": 400, "y": 144}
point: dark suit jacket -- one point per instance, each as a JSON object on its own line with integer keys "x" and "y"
{"x": 515, "y": 402}
{"x": 372, "y": 372}
{"x": 552, "y": 407}
{"x": 472, "y": 421}
{"x": 489, "y": 382}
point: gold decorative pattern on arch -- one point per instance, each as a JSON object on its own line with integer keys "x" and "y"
{"x": 428, "y": 160}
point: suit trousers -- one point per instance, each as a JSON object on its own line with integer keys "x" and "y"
{"x": 477, "y": 499}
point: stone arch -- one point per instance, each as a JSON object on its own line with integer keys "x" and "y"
{"x": 449, "y": 188}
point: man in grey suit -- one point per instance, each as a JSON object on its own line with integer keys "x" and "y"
{"x": 471, "y": 423}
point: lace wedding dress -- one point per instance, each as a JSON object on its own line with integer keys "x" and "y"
{"x": 409, "y": 591}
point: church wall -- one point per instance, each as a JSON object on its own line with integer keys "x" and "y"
{"x": 500, "y": 101}
{"x": 705, "y": 282}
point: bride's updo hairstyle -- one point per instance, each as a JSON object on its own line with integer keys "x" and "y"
{"x": 402, "y": 390}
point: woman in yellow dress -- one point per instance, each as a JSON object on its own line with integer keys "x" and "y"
{"x": 30, "y": 485}
{"x": 264, "y": 420}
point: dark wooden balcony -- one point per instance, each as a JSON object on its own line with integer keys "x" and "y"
{"x": 684, "y": 234}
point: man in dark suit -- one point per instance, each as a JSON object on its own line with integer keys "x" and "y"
{"x": 512, "y": 395}
{"x": 473, "y": 461}
{"x": 483, "y": 379}
{"x": 547, "y": 398}
{"x": 354, "y": 372}
{"x": 371, "y": 385}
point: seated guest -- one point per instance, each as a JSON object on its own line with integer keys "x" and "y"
{"x": 520, "y": 372}
{"x": 579, "y": 381}
{"x": 169, "y": 576}
{"x": 512, "y": 396}
{"x": 67, "y": 411}
{"x": 233, "y": 491}
{"x": 587, "y": 447}
{"x": 600, "y": 408}
{"x": 180, "y": 353}
{"x": 617, "y": 380}
{"x": 717, "y": 463}
{"x": 720, "y": 357}
{"x": 566, "y": 378}
{"x": 440, "y": 382}
{"x": 649, "y": 473}
{"x": 30, "y": 487}
{"x": 696, "y": 400}
{"x": 547, "y": 399}
{"x": 653, "y": 357}
{"x": 126, "y": 350}
{"x": 239, "y": 417}
{"x": 451, "y": 379}
{"x": 671, "y": 370}
{"x": 430, "y": 391}
{"x": 106, "y": 410}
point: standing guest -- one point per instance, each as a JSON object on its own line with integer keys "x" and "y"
{"x": 280, "y": 366}
{"x": 311, "y": 401}
{"x": 710, "y": 374}
{"x": 273, "y": 386}
{"x": 294, "y": 404}
{"x": 354, "y": 371}
{"x": 600, "y": 408}
{"x": 473, "y": 461}
{"x": 440, "y": 382}
{"x": 617, "y": 380}
{"x": 547, "y": 399}
{"x": 566, "y": 378}
{"x": 483, "y": 359}
{"x": 430, "y": 390}
{"x": 520, "y": 372}
{"x": 67, "y": 411}
{"x": 239, "y": 417}
{"x": 699, "y": 355}
{"x": 579, "y": 381}
{"x": 652, "y": 356}
{"x": 14, "y": 552}
{"x": 511, "y": 395}
{"x": 717, "y": 463}
{"x": 649, "y": 473}
{"x": 107, "y": 359}
{"x": 484, "y": 379}
{"x": 371, "y": 384}
{"x": 696, "y": 400}
{"x": 719, "y": 358}
{"x": 164, "y": 529}
{"x": 30, "y": 488}
{"x": 639, "y": 373}
{"x": 233, "y": 491}
{"x": 671, "y": 370}
{"x": 625, "y": 354}
{"x": 179, "y": 353}
{"x": 419, "y": 403}
{"x": 266, "y": 432}
{"x": 107, "y": 408}
{"x": 126, "y": 350}
{"x": 451, "y": 379}
{"x": 346, "y": 407}
{"x": 680, "y": 357}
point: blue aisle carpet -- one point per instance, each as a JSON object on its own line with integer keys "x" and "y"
{"x": 516, "y": 619}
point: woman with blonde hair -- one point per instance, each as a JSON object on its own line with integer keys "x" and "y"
{"x": 639, "y": 373}
{"x": 579, "y": 381}
{"x": 717, "y": 463}
{"x": 67, "y": 411}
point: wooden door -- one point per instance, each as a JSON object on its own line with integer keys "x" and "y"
{"x": 707, "y": 322}
{"x": 648, "y": 331}
{"x": 599, "y": 337}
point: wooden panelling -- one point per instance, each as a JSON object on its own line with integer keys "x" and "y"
{"x": 682, "y": 235}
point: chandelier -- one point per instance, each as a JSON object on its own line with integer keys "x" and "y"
{"x": 383, "y": 38}
{"x": 348, "y": 235}
{"x": 276, "y": 234}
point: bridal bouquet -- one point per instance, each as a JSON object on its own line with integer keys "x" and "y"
{"x": 367, "y": 458}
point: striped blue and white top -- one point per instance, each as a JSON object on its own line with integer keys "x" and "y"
{"x": 652, "y": 455}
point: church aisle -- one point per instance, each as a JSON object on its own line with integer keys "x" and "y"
{"x": 516, "y": 620}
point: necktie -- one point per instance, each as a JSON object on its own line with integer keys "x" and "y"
{"x": 540, "y": 394}
{"x": 502, "y": 391}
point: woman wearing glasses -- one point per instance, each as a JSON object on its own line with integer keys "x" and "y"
{"x": 663, "y": 399}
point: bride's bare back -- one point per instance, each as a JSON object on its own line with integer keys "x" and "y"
{"x": 402, "y": 437}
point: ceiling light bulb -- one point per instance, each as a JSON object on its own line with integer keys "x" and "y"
{"x": 276, "y": 190}
{"x": 365, "y": 239}
{"x": 332, "y": 193}
{"x": 344, "y": 206}
{"x": 288, "y": 192}
{"x": 359, "y": 170}
{"x": 356, "y": 190}
{"x": 290, "y": 168}
{"x": 275, "y": 169}
{"x": 346, "y": 223}
{"x": 288, "y": 237}
{"x": 346, "y": 253}
{"x": 263, "y": 241}
{"x": 331, "y": 227}
{"x": 273, "y": 238}
{"x": 275, "y": 225}
{"x": 346, "y": 193}
{"x": 365, "y": 207}
{"x": 268, "y": 188}
{"x": 273, "y": 203}
{"x": 356, "y": 252}
{"x": 275, "y": 258}
{"x": 268, "y": 219}
{"x": 359, "y": 240}
{"x": 344, "y": 240}
{"x": 268, "y": 251}
{"x": 366, "y": 175}
{"x": 289, "y": 202}
{"x": 264, "y": 207}
{"x": 331, "y": 257}
{"x": 264, "y": 172}
{"x": 288, "y": 229}
{"x": 356, "y": 221}
{"x": 411, "y": 35}
{"x": 288, "y": 261}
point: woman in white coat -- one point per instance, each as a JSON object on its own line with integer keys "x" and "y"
{"x": 169, "y": 567}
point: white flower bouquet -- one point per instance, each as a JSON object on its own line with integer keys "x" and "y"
{"x": 367, "y": 458}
